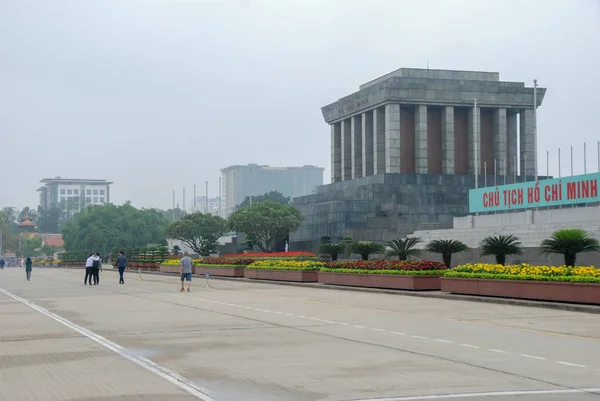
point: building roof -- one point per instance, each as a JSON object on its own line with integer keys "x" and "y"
{"x": 267, "y": 167}
{"x": 53, "y": 240}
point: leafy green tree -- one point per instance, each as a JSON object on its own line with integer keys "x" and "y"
{"x": 274, "y": 196}
{"x": 103, "y": 227}
{"x": 569, "y": 242}
{"x": 176, "y": 250}
{"x": 173, "y": 214}
{"x": 500, "y": 247}
{"x": 49, "y": 250}
{"x": 403, "y": 248}
{"x": 29, "y": 246}
{"x": 268, "y": 222}
{"x": 10, "y": 239}
{"x": 49, "y": 220}
{"x": 446, "y": 247}
{"x": 365, "y": 248}
{"x": 27, "y": 211}
{"x": 199, "y": 231}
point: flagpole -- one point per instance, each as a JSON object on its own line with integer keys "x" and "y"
{"x": 505, "y": 168}
{"x": 571, "y": 161}
{"x": 495, "y": 166}
{"x": 559, "y": 163}
{"x": 535, "y": 127}
{"x": 584, "y": 158}
{"x": 547, "y": 164}
{"x": 475, "y": 143}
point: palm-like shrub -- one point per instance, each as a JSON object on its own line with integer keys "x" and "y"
{"x": 501, "y": 246}
{"x": 365, "y": 248}
{"x": 446, "y": 247}
{"x": 333, "y": 250}
{"x": 403, "y": 248}
{"x": 569, "y": 242}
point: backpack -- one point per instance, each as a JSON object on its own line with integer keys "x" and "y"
{"x": 95, "y": 264}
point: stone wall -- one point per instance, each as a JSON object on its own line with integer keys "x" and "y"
{"x": 381, "y": 207}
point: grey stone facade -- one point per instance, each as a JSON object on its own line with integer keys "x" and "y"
{"x": 404, "y": 149}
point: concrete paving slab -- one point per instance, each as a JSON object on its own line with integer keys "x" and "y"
{"x": 251, "y": 341}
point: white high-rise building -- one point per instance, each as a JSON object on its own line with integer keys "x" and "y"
{"x": 238, "y": 182}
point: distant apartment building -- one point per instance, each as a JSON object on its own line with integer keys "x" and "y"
{"x": 73, "y": 193}
{"x": 214, "y": 206}
{"x": 238, "y": 182}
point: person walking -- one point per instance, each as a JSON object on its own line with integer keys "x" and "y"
{"x": 186, "y": 271}
{"x": 89, "y": 269}
{"x": 28, "y": 265}
{"x": 96, "y": 266}
{"x": 2, "y": 263}
{"x": 121, "y": 265}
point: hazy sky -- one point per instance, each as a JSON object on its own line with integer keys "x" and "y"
{"x": 157, "y": 95}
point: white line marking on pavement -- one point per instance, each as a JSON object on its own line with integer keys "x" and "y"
{"x": 421, "y": 337}
{"x": 343, "y": 324}
{"x": 533, "y": 357}
{"x": 479, "y": 395}
{"x": 571, "y": 364}
{"x": 398, "y": 333}
{"x": 497, "y": 350}
{"x": 469, "y": 346}
{"x": 378, "y": 330}
{"x": 153, "y": 367}
{"x": 360, "y": 327}
{"x": 443, "y": 341}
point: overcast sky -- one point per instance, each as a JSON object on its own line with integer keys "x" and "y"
{"x": 158, "y": 95}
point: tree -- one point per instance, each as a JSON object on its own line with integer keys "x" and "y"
{"x": 49, "y": 220}
{"x": 365, "y": 248}
{"x": 49, "y": 250}
{"x": 446, "y": 247}
{"x": 569, "y": 242}
{"x": 29, "y": 246}
{"x": 268, "y": 222}
{"x": 103, "y": 227}
{"x": 199, "y": 231}
{"x": 173, "y": 214}
{"x": 333, "y": 250}
{"x": 10, "y": 239}
{"x": 403, "y": 248}
{"x": 176, "y": 250}
{"x": 500, "y": 247}
{"x": 27, "y": 211}
{"x": 272, "y": 196}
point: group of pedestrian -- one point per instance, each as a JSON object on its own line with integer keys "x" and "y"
{"x": 93, "y": 266}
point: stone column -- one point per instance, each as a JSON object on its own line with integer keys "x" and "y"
{"x": 379, "y": 141}
{"x": 500, "y": 137}
{"x": 392, "y": 138}
{"x": 346, "y": 150}
{"x": 336, "y": 152}
{"x": 421, "y": 139}
{"x": 356, "y": 139}
{"x": 474, "y": 140}
{"x": 367, "y": 143}
{"x": 512, "y": 133}
{"x": 527, "y": 141}
{"x": 448, "y": 140}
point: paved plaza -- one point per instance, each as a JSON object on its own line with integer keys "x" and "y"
{"x": 249, "y": 341}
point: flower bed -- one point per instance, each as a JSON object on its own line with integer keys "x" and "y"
{"x": 299, "y": 255}
{"x": 224, "y": 261}
{"x": 580, "y": 284}
{"x": 394, "y": 274}
{"x": 284, "y": 270}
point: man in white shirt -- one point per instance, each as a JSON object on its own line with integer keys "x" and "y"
{"x": 89, "y": 268}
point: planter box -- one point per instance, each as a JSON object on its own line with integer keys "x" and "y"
{"x": 224, "y": 271}
{"x": 173, "y": 269}
{"x": 585, "y": 293}
{"x": 391, "y": 281}
{"x": 282, "y": 275}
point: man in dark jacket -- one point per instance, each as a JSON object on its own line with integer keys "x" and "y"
{"x": 121, "y": 265}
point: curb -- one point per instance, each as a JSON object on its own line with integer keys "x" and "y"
{"x": 422, "y": 294}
